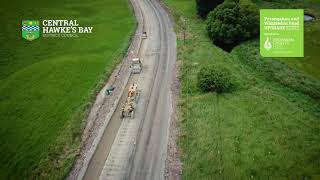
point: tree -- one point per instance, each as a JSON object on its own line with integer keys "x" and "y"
{"x": 213, "y": 78}
{"x": 205, "y": 6}
{"x": 233, "y": 22}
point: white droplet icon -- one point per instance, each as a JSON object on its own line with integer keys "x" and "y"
{"x": 267, "y": 44}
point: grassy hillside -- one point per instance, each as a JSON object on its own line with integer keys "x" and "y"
{"x": 46, "y": 84}
{"x": 309, "y": 64}
{"x": 266, "y": 128}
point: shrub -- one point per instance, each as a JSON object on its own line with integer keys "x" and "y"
{"x": 214, "y": 78}
{"x": 233, "y": 22}
{"x": 205, "y": 6}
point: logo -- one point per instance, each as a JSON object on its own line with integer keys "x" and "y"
{"x": 53, "y": 28}
{"x": 30, "y": 29}
{"x": 267, "y": 44}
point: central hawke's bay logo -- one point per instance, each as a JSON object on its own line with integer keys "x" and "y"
{"x": 30, "y": 29}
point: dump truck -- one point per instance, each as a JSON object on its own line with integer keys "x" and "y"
{"x": 129, "y": 106}
{"x": 136, "y": 66}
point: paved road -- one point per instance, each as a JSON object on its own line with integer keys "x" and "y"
{"x": 136, "y": 148}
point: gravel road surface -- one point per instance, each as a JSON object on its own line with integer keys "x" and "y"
{"x": 136, "y": 148}
{"x": 148, "y": 160}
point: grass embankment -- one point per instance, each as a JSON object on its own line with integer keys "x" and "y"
{"x": 310, "y": 63}
{"x": 47, "y": 84}
{"x": 265, "y": 129}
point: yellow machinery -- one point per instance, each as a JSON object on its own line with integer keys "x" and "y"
{"x": 129, "y": 106}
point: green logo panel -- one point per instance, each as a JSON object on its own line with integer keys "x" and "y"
{"x": 30, "y": 29}
{"x": 281, "y": 32}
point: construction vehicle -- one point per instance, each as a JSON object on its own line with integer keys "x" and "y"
{"x": 144, "y": 35}
{"x": 129, "y": 106}
{"x": 136, "y": 66}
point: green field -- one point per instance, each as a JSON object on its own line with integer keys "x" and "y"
{"x": 311, "y": 62}
{"x": 266, "y": 128}
{"x": 46, "y": 85}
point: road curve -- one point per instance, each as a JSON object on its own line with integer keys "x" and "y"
{"x": 136, "y": 148}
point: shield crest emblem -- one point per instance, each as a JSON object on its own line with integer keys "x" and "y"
{"x": 30, "y": 29}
